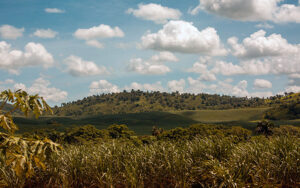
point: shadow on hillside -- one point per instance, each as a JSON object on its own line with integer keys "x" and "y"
{"x": 141, "y": 123}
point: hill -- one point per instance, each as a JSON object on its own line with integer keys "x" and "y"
{"x": 139, "y": 101}
{"x": 141, "y": 123}
{"x": 284, "y": 107}
{"x": 6, "y": 107}
{"x": 222, "y": 116}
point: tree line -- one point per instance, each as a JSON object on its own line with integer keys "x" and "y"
{"x": 140, "y": 101}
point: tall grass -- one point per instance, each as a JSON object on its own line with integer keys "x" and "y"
{"x": 203, "y": 162}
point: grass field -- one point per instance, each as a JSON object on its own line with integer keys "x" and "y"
{"x": 219, "y": 116}
{"x": 142, "y": 123}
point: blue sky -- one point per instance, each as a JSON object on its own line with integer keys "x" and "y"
{"x": 66, "y": 50}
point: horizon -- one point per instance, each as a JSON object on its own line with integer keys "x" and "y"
{"x": 67, "y": 50}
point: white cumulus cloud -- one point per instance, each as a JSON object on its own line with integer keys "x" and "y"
{"x": 94, "y": 43}
{"x": 164, "y": 57}
{"x": 79, "y": 67}
{"x": 196, "y": 86}
{"x": 98, "y": 32}
{"x": 224, "y": 87}
{"x": 10, "y": 32}
{"x": 264, "y": 26}
{"x": 144, "y": 67}
{"x": 184, "y": 37}
{"x": 294, "y": 89}
{"x": 45, "y": 33}
{"x": 258, "y": 45}
{"x": 296, "y": 75}
{"x": 155, "y": 12}
{"x": 93, "y": 34}
{"x": 177, "y": 85}
{"x": 260, "y": 55}
{"x": 202, "y": 69}
{"x": 227, "y": 69}
{"x": 54, "y": 10}
{"x": 262, "y": 84}
{"x": 240, "y": 90}
{"x": 7, "y": 81}
{"x": 34, "y": 54}
{"x": 42, "y": 87}
{"x": 251, "y": 10}
{"x": 103, "y": 86}
{"x": 145, "y": 87}
{"x": 288, "y": 65}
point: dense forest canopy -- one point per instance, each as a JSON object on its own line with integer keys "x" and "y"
{"x": 140, "y": 101}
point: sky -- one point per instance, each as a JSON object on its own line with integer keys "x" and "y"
{"x": 67, "y": 50}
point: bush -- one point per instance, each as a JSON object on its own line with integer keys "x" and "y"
{"x": 287, "y": 130}
{"x": 82, "y": 134}
{"x": 203, "y": 130}
{"x": 178, "y": 133}
{"x": 119, "y": 131}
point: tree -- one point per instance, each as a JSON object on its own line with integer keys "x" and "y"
{"x": 23, "y": 155}
{"x": 119, "y": 131}
{"x": 264, "y": 127}
{"x": 157, "y": 131}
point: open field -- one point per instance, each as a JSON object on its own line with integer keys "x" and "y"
{"x": 245, "y": 117}
{"x": 219, "y": 116}
{"x": 142, "y": 123}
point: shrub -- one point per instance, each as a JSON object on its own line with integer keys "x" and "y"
{"x": 264, "y": 127}
{"x": 119, "y": 131}
{"x": 83, "y": 134}
{"x": 287, "y": 130}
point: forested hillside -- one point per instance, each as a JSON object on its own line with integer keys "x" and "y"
{"x": 6, "y": 107}
{"x": 139, "y": 101}
{"x": 285, "y": 107}
{"x": 9, "y": 107}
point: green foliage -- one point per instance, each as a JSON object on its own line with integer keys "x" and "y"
{"x": 239, "y": 133}
{"x": 285, "y": 107}
{"x": 175, "y": 134}
{"x": 157, "y": 131}
{"x": 119, "y": 131}
{"x": 141, "y": 123}
{"x": 22, "y": 101}
{"x": 83, "y": 134}
{"x": 221, "y": 116}
{"x": 264, "y": 127}
{"x": 139, "y": 101}
{"x": 197, "y": 156}
{"x": 287, "y": 130}
{"x": 22, "y": 156}
{"x": 204, "y": 130}
{"x": 213, "y": 161}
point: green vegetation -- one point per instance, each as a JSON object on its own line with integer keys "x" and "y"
{"x": 219, "y": 116}
{"x": 141, "y": 123}
{"x": 284, "y": 108}
{"x": 139, "y": 101}
{"x": 197, "y": 156}
{"x": 187, "y": 148}
{"x": 22, "y": 156}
